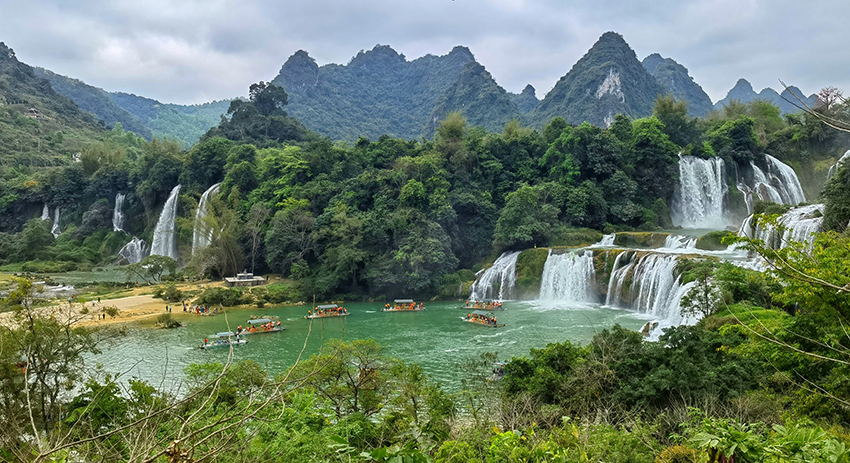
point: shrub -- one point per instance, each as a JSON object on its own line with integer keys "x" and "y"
{"x": 166, "y": 320}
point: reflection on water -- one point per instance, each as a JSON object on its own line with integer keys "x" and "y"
{"x": 436, "y": 339}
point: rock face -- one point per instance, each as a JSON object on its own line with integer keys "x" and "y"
{"x": 675, "y": 79}
{"x": 378, "y": 92}
{"x": 743, "y": 92}
{"x": 526, "y": 100}
{"x": 478, "y": 97}
{"x": 606, "y": 81}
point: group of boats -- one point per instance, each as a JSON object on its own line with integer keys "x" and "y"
{"x": 482, "y": 315}
{"x": 237, "y": 338}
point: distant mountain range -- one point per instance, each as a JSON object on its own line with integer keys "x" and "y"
{"x": 380, "y": 92}
{"x": 743, "y": 92}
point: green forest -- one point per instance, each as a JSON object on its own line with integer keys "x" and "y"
{"x": 762, "y": 378}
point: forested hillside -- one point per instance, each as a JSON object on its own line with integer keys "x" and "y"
{"x": 95, "y": 101}
{"x": 674, "y": 78}
{"x": 182, "y": 123}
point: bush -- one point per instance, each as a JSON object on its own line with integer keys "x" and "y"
{"x": 169, "y": 293}
{"x": 713, "y": 241}
{"x": 227, "y": 297}
{"x": 165, "y": 320}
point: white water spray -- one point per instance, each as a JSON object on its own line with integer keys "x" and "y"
{"x": 700, "y": 196}
{"x": 202, "y": 234}
{"x": 133, "y": 252}
{"x": 118, "y": 213}
{"x": 569, "y": 277}
{"x": 497, "y": 282}
{"x": 55, "y": 230}
{"x": 165, "y": 235}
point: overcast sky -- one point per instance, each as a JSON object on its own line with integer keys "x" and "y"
{"x": 193, "y": 51}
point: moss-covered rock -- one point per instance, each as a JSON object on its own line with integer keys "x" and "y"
{"x": 565, "y": 236}
{"x": 603, "y": 264}
{"x": 713, "y": 241}
{"x": 640, "y": 239}
{"x": 529, "y": 270}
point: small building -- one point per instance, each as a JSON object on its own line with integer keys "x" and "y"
{"x": 244, "y": 279}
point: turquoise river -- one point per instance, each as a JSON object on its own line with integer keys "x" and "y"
{"x": 437, "y": 338}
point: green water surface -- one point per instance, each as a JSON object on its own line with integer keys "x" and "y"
{"x": 436, "y": 338}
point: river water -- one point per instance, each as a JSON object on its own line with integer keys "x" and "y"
{"x": 436, "y": 338}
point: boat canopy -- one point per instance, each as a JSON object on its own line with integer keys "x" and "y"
{"x": 259, "y": 321}
{"x": 225, "y": 334}
{"x": 482, "y": 312}
{"x": 326, "y": 307}
{"x": 403, "y": 301}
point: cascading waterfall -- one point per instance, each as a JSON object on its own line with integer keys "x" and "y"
{"x": 165, "y": 235}
{"x": 55, "y": 230}
{"x": 698, "y": 201}
{"x": 133, "y": 252}
{"x": 834, "y": 169}
{"x": 45, "y": 212}
{"x": 497, "y": 282}
{"x": 680, "y": 242}
{"x": 787, "y": 178}
{"x": 606, "y": 241}
{"x": 799, "y": 223}
{"x": 779, "y": 184}
{"x": 569, "y": 277}
{"x": 118, "y": 213}
{"x": 202, "y": 233}
{"x": 647, "y": 283}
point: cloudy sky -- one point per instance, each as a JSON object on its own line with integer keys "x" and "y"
{"x": 193, "y": 51}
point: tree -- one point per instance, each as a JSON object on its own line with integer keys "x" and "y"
{"x": 290, "y": 237}
{"x": 269, "y": 99}
{"x": 254, "y": 226}
{"x": 527, "y": 220}
{"x": 151, "y": 268}
{"x": 654, "y": 158}
{"x": 681, "y": 129}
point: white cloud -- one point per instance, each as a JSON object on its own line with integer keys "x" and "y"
{"x": 196, "y": 50}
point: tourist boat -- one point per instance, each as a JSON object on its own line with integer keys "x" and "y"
{"x": 223, "y": 342}
{"x": 483, "y": 305}
{"x": 326, "y": 311}
{"x": 482, "y": 318}
{"x": 403, "y": 305}
{"x": 498, "y": 372}
{"x": 255, "y": 326}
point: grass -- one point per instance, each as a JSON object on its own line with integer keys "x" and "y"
{"x": 746, "y": 314}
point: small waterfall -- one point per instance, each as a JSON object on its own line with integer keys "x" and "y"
{"x": 45, "y": 212}
{"x": 834, "y": 169}
{"x": 800, "y": 223}
{"x": 779, "y": 184}
{"x": 133, "y": 252}
{"x": 569, "y": 277}
{"x": 497, "y": 282}
{"x": 202, "y": 233}
{"x": 118, "y": 214}
{"x": 699, "y": 198}
{"x": 56, "y": 230}
{"x": 680, "y": 242}
{"x": 607, "y": 240}
{"x": 647, "y": 283}
{"x": 165, "y": 235}
{"x": 787, "y": 178}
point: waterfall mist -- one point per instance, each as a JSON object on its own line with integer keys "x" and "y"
{"x": 164, "y": 241}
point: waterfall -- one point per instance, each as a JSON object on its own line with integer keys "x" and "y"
{"x": 45, "y": 212}
{"x": 568, "y": 277}
{"x": 165, "y": 235}
{"x": 779, "y": 184}
{"x": 647, "y": 283}
{"x": 606, "y": 241}
{"x": 680, "y": 242}
{"x": 56, "y": 230}
{"x": 787, "y": 178}
{"x": 202, "y": 233}
{"x": 800, "y": 223}
{"x": 699, "y": 197}
{"x": 834, "y": 169}
{"x": 133, "y": 252}
{"x": 118, "y": 214}
{"x": 497, "y": 282}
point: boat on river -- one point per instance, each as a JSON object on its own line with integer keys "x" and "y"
{"x": 480, "y": 317}
{"x": 255, "y": 326}
{"x": 483, "y": 305}
{"x": 404, "y": 305}
{"x": 223, "y": 342}
{"x": 327, "y": 311}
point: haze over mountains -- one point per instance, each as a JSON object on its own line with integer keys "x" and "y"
{"x": 380, "y": 92}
